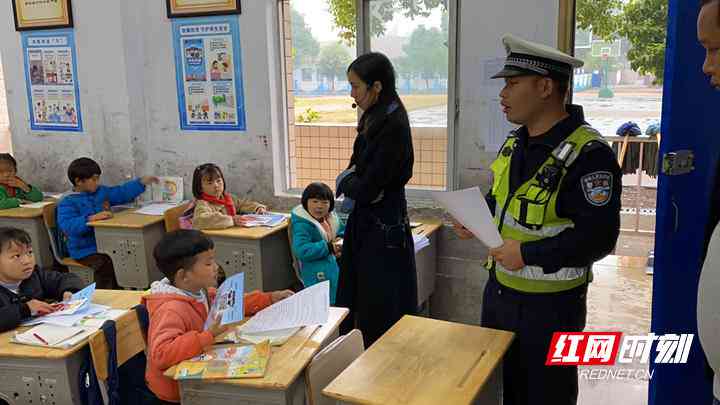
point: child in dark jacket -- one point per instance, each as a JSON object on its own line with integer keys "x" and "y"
{"x": 24, "y": 287}
{"x": 13, "y": 189}
{"x": 90, "y": 201}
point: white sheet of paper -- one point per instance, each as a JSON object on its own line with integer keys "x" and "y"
{"x": 470, "y": 209}
{"x": 156, "y": 208}
{"x": 40, "y": 204}
{"x": 310, "y": 306}
{"x": 276, "y": 337}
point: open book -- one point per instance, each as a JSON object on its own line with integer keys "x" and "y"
{"x": 226, "y": 362}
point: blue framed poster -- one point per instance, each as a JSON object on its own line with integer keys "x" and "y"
{"x": 208, "y": 71}
{"x": 51, "y": 80}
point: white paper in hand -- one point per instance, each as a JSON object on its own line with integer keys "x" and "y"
{"x": 470, "y": 209}
{"x": 310, "y": 306}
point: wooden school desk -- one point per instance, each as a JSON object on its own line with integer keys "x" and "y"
{"x": 31, "y": 221}
{"x": 262, "y": 253}
{"x": 426, "y": 361}
{"x": 30, "y": 375}
{"x": 129, "y": 239}
{"x": 284, "y": 381}
{"x": 426, "y": 262}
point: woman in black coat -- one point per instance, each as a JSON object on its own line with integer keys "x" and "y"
{"x": 378, "y": 281}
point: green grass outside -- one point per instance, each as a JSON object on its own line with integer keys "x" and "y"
{"x": 337, "y": 110}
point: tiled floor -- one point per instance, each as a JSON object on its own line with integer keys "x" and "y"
{"x": 619, "y": 299}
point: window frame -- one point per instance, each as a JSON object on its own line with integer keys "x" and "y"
{"x": 418, "y": 196}
{"x": 280, "y": 117}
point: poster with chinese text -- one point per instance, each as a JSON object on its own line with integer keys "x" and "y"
{"x": 51, "y": 80}
{"x": 209, "y": 74}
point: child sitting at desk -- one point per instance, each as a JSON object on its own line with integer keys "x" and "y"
{"x": 12, "y": 188}
{"x": 23, "y": 287}
{"x": 214, "y": 208}
{"x": 179, "y": 304}
{"x": 316, "y": 233}
{"x": 87, "y": 202}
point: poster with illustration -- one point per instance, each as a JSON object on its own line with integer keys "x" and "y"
{"x": 209, "y": 74}
{"x": 51, "y": 81}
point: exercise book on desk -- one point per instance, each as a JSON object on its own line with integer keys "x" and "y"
{"x": 226, "y": 362}
{"x": 268, "y": 220}
{"x": 48, "y": 336}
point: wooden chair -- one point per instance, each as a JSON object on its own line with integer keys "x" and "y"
{"x": 86, "y": 274}
{"x": 130, "y": 339}
{"x": 329, "y": 363}
{"x": 172, "y": 217}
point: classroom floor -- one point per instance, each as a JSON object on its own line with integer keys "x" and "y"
{"x": 619, "y": 299}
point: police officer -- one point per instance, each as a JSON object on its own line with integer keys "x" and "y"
{"x": 556, "y": 201}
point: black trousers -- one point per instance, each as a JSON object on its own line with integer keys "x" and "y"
{"x": 533, "y": 318}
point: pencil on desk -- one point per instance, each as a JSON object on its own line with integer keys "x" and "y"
{"x": 41, "y": 339}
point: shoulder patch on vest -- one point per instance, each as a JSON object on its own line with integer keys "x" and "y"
{"x": 597, "y": 188}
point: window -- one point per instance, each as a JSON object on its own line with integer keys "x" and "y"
{"x": 307, "y": 74}
{"x": 416, "y": 38}
{"x": 321, "y": 121}
{"x": 320, "y": 41}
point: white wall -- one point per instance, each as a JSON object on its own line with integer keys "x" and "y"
{"x": 129, "y": 101}
{"x": 129, "y": 105}
{"x": 482, "y": 25}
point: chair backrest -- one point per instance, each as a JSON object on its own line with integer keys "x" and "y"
{"x": 50, "y": 220}
{"x": 130, "y": 341}
{"x": 295, "y": 262}
{"x": 329, "y": 363}
{"x": 172, "y": 217}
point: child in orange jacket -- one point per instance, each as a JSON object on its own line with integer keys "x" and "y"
{"x": 179, "y": 304}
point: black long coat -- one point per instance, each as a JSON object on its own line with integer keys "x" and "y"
{"x": 378, "y": 281}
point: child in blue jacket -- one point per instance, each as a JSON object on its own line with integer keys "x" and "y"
{"x": 316, "y": 237}
{"x": 87, "y": 202}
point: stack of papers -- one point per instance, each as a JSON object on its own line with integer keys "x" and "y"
{"x": 269, "y": 220}
{"x": 40, "y": 204}
{"x": 47, "y": 335}
{"x": 275, "y": 337}
{"x": 310, "y": 306}
{"x": 71, "y": 324}
{"x": 157, "y": 208}
{"x": 470, "y": 209}
{"x": 93, "y": 310}
{"x": 56, "y": 196}
{"x": 421, "y": 241}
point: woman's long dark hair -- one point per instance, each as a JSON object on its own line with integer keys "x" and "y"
{"x": 375, "y": 67}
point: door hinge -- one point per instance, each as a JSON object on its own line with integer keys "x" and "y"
{"x": 678, "y": 162}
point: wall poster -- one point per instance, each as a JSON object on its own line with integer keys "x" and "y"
{"x": 51, "y": 80}
{"x": 209, "y": 74}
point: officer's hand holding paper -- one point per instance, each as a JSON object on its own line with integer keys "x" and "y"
{"x": 470, "y": 209}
